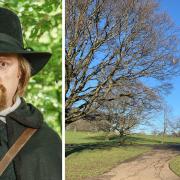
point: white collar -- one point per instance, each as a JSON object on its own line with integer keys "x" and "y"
{"x": 10, "y": 109}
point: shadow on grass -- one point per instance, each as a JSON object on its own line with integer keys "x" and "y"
{"x": 116, "y": 141}
{"x": 72, "y": 148}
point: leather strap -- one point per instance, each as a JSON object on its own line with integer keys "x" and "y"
{"x": 15, "y": 148}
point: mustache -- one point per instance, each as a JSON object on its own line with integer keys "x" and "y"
{"x": 2, "y": 89}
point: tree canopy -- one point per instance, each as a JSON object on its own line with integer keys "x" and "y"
{"x": 108, "y": 42}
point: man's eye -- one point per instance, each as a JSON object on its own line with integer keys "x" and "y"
{"x": 3, "y": 64}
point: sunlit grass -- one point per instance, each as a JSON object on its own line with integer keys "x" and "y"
{"x": 175, "y": 165}
{"x": 91, "y": 163}
{"x": 97, "y": 137}
{"x": 98, "y": 152}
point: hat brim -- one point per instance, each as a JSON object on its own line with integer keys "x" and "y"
{"x": 37, "y": 60}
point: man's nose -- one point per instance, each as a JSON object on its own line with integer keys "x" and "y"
{"x": 1, "y": 80}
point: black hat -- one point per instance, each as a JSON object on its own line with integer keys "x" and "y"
{"x": 11, "y": 41}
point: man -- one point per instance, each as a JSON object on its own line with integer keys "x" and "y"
{"x": 39, "y": 157}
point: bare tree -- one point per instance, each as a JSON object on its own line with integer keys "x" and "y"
{"x": 121, "y": 40}
{"x": 174, "y": 126}
{"x": 127, "y": 112}
{"x": 166, "y": 122}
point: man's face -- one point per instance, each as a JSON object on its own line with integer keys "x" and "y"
{"x": 9, "y": 79}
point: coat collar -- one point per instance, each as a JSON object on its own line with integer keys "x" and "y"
{"x": 10, "y": 109}
{"x": 27, "y": 115}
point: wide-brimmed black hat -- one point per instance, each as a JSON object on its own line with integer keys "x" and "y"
{"x": 11, "y": 41}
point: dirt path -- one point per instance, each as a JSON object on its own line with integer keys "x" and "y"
{"x": 151, "y": 166}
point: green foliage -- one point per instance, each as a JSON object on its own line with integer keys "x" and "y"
{"x": 41, "y": 22}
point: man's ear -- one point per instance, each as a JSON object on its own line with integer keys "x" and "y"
{"x": 19, "y": 75}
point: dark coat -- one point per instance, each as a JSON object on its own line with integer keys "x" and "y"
{"x": 40, "y": 158}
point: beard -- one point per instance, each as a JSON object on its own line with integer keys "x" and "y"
{"x": 3, "y": 97}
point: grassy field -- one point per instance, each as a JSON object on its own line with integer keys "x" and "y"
{"x": 90, "y": 154}
{"x": 91, "y": 137}
{"x": 175, "y": 165}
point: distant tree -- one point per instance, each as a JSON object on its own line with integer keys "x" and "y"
{"x": 123, "y": 40}
{"x": 155, "y": 132}
{"x": 174, "y": 125}
{"x": 127, "y": 112}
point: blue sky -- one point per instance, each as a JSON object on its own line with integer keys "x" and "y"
{"x": 172, "y": 8}
{"x": 173, "y": 99}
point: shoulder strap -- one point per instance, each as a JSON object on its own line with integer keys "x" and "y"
{"x": 15, "y": 148}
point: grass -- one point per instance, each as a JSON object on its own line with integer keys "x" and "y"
{"x": 91, "y": 163}
{"x": 84, "y": 137}
{"x": 152, "y": 139}
{"x": 91, "y": 154}
{"x": 98, "y": 137}
{"x": 175, "y": 165}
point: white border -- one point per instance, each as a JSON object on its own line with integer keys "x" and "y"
{"x": 63, "y": 89}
